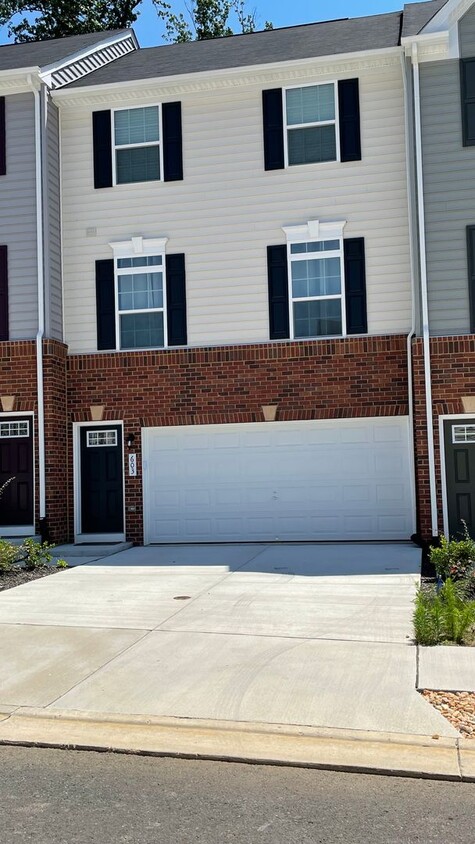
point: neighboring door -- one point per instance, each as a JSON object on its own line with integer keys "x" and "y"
{"x": 102, "y": 483}
{"x": 342, "y": 479}
{"x": 16, "y": 471}
{"x": 459, "y": 437}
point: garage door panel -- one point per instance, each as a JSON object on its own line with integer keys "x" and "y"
{"x": 348, "y": 479}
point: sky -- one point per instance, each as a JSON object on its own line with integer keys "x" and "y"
{"x": 150, "y": 29}
{"x": 281, "y": 12}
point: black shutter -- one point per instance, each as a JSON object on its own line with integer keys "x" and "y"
{"x": 278, "y": 278}
{"x": 467, "y": 93}
{"x": 349, "y": 114}
{"x": 102, "y": 142}
{"x": 176, "y": 300}
{"x": 355, "y": 286}
{"x": 471, "y": 273}
{"x": 3, "y": 293}
{"x": 105, "y": 304}
{"x": 172, "y": 142}
{"x": 3, "y": 139}
{"x": 273, "y": 117}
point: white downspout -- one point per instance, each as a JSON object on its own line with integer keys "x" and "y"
{"x": 41, "y": 300}
{"x": 424, "y": 293}
{"x": 412, "y": 331}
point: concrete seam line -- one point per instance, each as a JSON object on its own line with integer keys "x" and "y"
{"x": 459, "y": 759}
{"x": 216, "y": 757}
{"x": 100, "y": 668}
{"x": 417, "y": 666}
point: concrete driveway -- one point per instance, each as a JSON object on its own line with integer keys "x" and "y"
{"x": 315, "y": 635}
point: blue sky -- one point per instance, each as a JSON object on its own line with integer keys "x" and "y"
{"x": 281, "y": 12}
{"x": 150, "y": 29}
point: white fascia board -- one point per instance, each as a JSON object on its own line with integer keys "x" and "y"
{"x": 246, "y": 72}
{"x": 452, "y": 11}
{"x": 19, "y": 81}
{"x": 432, "y": 46}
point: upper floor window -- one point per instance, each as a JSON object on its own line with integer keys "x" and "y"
{"x": 467, "y": 81}
{"x": 317, "y": 288}
{"x": 311, "y": 126}
{"x": 133, "y": 145}
{"x": 137, "y": 145}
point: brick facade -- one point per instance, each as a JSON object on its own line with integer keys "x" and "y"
{"x": 453, "y": 376}
{"x": 18, "y": 378}
{"x": 351, "y": 377}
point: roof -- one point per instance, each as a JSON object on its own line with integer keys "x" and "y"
{"x": 43, "y": 53}
{"x": 417, "y": 16}
{"x": 308, "y": 41}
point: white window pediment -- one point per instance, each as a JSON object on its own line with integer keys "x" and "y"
{"x": 315, "y": 230}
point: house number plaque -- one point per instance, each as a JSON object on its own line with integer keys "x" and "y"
{"x": 132, "y": 465}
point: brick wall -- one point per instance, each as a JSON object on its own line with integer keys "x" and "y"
{"x": 324, "y": 379}
{"x": 18, "y": 378}
{"x": 453, "y": 376}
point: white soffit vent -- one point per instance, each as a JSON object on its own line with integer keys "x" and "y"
{"x": 88, "y": 64}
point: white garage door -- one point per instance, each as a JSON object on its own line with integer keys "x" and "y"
{"x": 331, "y": 480}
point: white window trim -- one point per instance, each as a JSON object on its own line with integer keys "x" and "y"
{"x": 158, "y": 144}
{"x": 91, "y": 444}
{"x": 18, "y": 436}
{"x": 335, "y": 122}
{"x": 133, "y": 248}
{"x": 313, "y": 231}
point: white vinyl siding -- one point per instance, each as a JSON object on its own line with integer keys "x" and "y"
{"x": 18, "y": 216}
{"x": 449, "y": 189}
{"x": 228, "y": 209}
{"x": 52, "y": 223}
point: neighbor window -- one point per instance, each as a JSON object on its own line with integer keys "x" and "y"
{"x": 311, "y": 124}
{"x": 317, "y": 288}
{"x": 140, "y": 295}
{"x": 137, "y": 144}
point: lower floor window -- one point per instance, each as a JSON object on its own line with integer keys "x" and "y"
{"x": 317, "y": 288}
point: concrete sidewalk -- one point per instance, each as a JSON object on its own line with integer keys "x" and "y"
{"x": 279, "y": 638}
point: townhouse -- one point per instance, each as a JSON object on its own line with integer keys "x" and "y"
{"x": 241, "y": 340}
{"x": 32, "y": 353}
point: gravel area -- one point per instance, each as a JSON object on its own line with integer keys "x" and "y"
{"x": 15, "y": 578}
{"x": 457, "y": 707}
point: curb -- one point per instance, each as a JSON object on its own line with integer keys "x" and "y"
{"x": 390, "y": 754}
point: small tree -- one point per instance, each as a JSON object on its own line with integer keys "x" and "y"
{"x": 44, "y": 19}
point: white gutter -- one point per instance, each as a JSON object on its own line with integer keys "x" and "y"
{"x": 424, "y": 292}
{"x": 411, "y": 334}
{"x": 41, "y": 300}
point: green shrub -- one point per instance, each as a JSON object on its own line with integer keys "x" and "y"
{"x": 29, "y": 555}
{"x": 443, "y": 616}
{"x": 62, "y": 564}
{"x": 36, "y": 555}
{"x": 9, "y": 555}
{"x": 454, "y": 558}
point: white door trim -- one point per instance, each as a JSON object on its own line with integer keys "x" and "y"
{"x": 443, "y": 465}
{"x": 79, "y": 537}
{"x": 23, "y": 530}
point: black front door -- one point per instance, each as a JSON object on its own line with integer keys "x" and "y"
{"x": 459, "y": 436}
{"x": 102, "y": 484}
{"x": 16, "y": 471}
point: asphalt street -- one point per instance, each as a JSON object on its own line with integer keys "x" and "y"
{"x": 67, "y": 797}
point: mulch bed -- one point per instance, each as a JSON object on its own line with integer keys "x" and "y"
{"x": 457, "y": 707}
{"x": 18, "y": 576}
